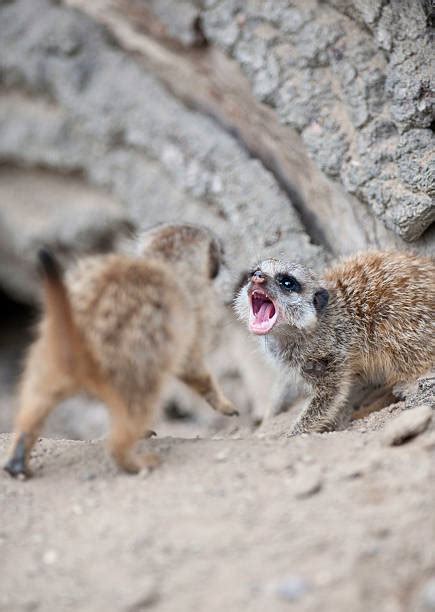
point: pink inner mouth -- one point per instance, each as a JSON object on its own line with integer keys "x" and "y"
{"x": 263, "y": 313}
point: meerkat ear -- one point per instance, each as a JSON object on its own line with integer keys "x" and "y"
{"x": 215, "y": 255}
{"x": 321, "y": 299}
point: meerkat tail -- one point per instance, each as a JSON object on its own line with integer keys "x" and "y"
{"x": 64, "y": 334}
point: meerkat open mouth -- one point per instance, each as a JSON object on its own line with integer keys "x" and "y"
{"x": 263, "y": 313}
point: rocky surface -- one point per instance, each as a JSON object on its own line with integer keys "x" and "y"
{"x": 101, "y": 115}
{"x": 39, "y": 208}
{"x": 407, "y": 425}
{"x": 356, "y": 80}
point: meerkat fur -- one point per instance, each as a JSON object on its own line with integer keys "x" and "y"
{"x": 369, "y": 318}
{"x": 118, "y": 326}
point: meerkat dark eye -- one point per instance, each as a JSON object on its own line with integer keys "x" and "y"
{"x": 289, "y": 283}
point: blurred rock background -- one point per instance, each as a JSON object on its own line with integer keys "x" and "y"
{"x": 296, "y": 128}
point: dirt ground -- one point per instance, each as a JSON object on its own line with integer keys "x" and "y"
{"x": 236, "y": 520}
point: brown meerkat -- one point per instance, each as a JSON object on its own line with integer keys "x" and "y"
{"x": 369, "y": 318}
{"x": 117, "y": 327}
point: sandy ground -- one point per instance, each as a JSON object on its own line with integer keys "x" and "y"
{"x": 239, "y": 520}
{"x": 334, "y": 522}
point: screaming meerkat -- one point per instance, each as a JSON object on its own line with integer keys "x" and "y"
{"x": 371, "y": 317}
{"x": 117, "y": 327}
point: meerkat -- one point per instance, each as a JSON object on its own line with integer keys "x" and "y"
{"x": 118, "y": 326}
{"x": 369, "y": 318}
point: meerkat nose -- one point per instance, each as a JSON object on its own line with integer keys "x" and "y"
{"x": 258, "y": 277}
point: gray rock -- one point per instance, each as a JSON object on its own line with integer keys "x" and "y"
{"x": 354, "y": 63}
{"x": 406, "y": 426}
{"x": 418, "y": 393}
{"x": 42, "y": 208}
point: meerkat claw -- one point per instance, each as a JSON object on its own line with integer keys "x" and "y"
{"x": 149, "y": 434}
{"x": 16, "y": 469}
{"x": 16, "y": 466}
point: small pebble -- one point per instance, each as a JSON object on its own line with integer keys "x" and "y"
{"x": 307, "y": 459}
{"x": 406, "y": 426}
{"x": 428, "y": 595}
{"x": 222, "y": 455}
{"x": 382, "y": 532}
{"x": 147, "y": 599}
{"x": 88, "y": 476}
{"x": 306, "y": 483}
{"x": 424, "y": 600}
{"x": 291, "y": 589}
{"x": 352, "y": 470}
{"x": 50, "y": 557}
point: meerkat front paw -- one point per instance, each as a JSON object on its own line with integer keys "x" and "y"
{"x": 227, "y": 408}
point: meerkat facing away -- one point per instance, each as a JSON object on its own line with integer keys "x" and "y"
{"x": 118, "y": 327}
{"x": 370, "y": 318}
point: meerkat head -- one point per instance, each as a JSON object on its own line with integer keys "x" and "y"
{"x": 192, "y": 248}
{"x": 280, "y": 295}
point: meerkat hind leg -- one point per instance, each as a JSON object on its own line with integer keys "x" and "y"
{"x": 44, "y": 385}
{"x": 127, "y": 428}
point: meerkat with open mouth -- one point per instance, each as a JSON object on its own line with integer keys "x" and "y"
{"x": 118, "y": 327}
{"x": 370, "y": 318}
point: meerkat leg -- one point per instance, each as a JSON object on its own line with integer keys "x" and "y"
{"x": 201, "y": 381}
{"x": 43, "y": 386}
{"x": 328, "y": 410}
{"x": 128, "y": 426}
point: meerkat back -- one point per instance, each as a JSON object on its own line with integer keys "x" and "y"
{"x": 131, "y": 313}
{"x": 390, "y": 297}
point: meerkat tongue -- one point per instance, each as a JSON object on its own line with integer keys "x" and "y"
{"x": 266, "y": 312}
